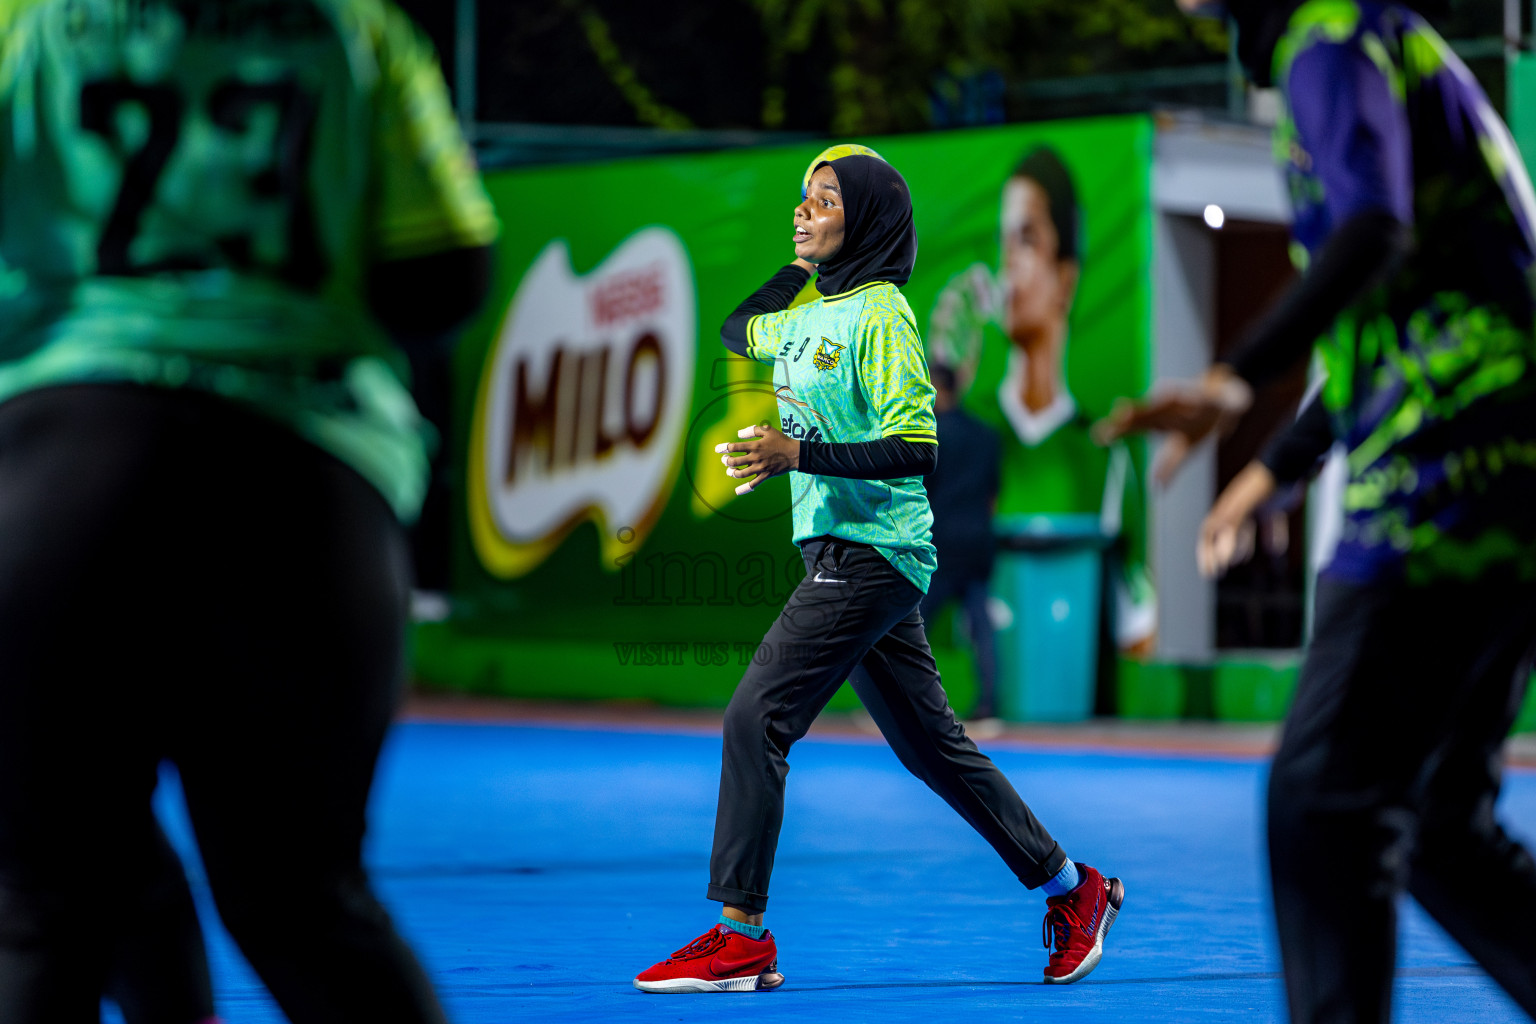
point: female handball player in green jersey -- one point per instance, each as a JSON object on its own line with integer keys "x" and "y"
{"x": 857, "y": 429}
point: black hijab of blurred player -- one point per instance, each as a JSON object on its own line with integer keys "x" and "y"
{"x": 879, "y": 240}
{"x": 1260, "y": 24}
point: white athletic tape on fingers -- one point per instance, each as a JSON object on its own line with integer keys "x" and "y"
{"x": 744, "y": 488}
{"x": 747, "y": 431}
{"x": 721, "y": 447}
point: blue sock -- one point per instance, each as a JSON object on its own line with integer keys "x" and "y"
{"x": 751, "y": 931}
{"x": 1064, "y": 881}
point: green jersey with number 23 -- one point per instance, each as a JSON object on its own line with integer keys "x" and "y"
{"x": 191, "y": 194}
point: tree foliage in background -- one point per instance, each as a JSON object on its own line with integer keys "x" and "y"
{"x": 610, "y": 57}
{"x": 845, "y": 66}
{"x": 889, "y": 54}
{"x": 849, "y": 66}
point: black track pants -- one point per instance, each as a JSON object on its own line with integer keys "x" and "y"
{"x": 181, "y": 579}
{"x": 1386, "y": 779}
{"x": 853, "y": 617}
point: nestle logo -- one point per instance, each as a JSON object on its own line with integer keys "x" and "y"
{"x": 626, "y": 296}
{"x": 576, "y": 420}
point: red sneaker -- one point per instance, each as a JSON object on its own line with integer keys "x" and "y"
{"x": 720, "y": 960}
{"x": 1078, "y": 922}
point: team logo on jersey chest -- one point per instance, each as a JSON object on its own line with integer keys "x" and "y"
{"x": 826, "y": 358}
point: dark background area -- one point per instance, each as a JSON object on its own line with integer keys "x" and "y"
{"x": 1261, "y": 602}
{"x": 887, "y": 65}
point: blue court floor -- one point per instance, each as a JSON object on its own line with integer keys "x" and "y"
{"x": 536, "y": 869}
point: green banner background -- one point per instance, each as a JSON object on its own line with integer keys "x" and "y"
{"x": 592, "y": 620}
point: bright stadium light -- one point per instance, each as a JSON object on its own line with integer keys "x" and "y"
{"x": 1214, "y": 216}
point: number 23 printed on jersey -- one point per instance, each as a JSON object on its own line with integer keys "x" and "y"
{"x": 246, "y": 142}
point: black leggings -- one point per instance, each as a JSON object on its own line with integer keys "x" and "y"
{"x": 853, "y": 617}
{"x": 181, "y": 579}
{"x": 1386, "y": 780}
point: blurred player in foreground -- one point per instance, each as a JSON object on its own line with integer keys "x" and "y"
{"x": 210, "y": 215}
{"x": 849, "y": 372}
{"x": 1416, "y": 213}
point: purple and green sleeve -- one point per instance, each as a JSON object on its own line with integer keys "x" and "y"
{"x": 1357, "y": 145}
{"x": 1297, "y": 450}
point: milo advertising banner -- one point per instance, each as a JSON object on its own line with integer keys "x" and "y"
{"x": 601, "y": 550}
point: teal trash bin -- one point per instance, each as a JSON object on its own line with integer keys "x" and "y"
{"x": 1046, "y": 586}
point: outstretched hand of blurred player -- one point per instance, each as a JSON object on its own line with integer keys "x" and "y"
{"x": 1187, "y": 411}
{"x": 1226, "y": 536}
{"x": 768, "y": 454}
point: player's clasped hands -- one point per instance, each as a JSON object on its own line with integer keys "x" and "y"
{"x": 767, "y": 454}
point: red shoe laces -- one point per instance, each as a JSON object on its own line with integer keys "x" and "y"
{"x": 1059, "y": 919}
{"x": 706, "y": 943}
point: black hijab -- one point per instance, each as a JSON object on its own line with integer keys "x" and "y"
{"x": 1260, "y": 24}
{"x": 879, "y": 241}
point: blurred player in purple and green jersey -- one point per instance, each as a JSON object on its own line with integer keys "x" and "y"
{"x": 216, "y": 221}
{"x": 1413, "y": 223}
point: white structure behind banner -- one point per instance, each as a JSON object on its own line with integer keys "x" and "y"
{"x": 1197, "y": 165}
